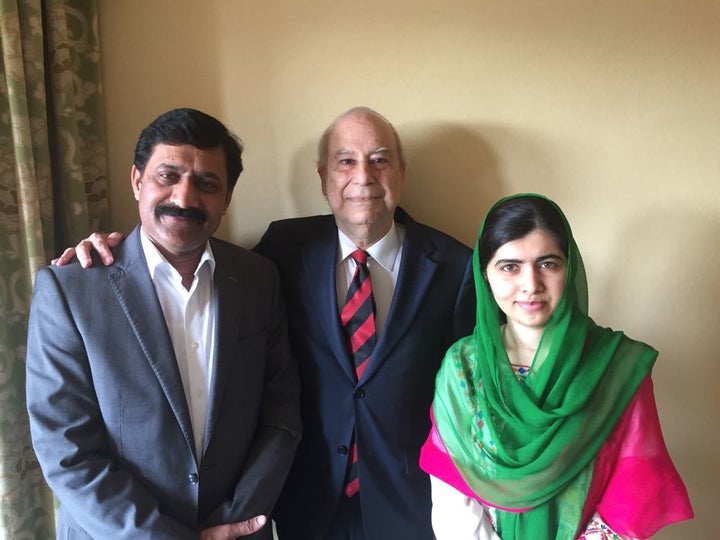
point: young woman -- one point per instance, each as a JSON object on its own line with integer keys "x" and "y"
{"x": 545, "y": 424}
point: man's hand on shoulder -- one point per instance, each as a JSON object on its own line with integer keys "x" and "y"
{"x": 233, "y": 530}
{"x": 100, "y": 242}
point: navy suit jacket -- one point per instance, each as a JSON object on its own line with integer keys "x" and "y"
{"x": 108, "y": 415}
{"x": 433, "y": 305}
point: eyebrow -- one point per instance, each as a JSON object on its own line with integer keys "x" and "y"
{"x": 346, "y": 151}
{"x": 538, "y": 259}
{"x": 196, "y": 174}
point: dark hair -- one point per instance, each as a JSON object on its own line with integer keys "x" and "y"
{"x": 193, "y": 127}
{"x": 516, "y": 217}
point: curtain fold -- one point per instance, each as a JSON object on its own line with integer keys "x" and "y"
{"x": 53, "y": 192}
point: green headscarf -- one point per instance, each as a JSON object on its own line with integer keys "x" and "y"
{"x": 532, "y": 443}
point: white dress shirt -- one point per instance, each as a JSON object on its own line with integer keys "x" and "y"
{"x": 383, "y": 264}
{"x": 190, "y": 318}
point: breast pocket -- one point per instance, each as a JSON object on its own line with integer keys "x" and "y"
{"x": 241, "y": 372}
{"x": 250, "y": 351}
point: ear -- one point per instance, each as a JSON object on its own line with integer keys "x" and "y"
{"x": 322, "y": 172}
{"x": 228, "y": 198}
{"x": 135, "y": 181}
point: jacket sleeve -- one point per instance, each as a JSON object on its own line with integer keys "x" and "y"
{"x": 68, "y": 431}
{"x": 465, "y": 304}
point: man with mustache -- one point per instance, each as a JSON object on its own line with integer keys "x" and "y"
{"x": 162, "y": 393}
{"x": 423, "y": 302}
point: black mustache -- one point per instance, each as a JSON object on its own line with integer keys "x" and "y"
{"x": 193, "y": 214}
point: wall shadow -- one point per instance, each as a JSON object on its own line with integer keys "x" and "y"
{"x": 306, "y": 198}
{"x": 452, "y": 176}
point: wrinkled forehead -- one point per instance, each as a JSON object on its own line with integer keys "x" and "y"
{"x": 362, "y": 132}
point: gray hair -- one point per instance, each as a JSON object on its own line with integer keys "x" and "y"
{"x": 325, "y": 137}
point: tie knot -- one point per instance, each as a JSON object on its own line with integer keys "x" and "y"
{"x": 360, "y": 256}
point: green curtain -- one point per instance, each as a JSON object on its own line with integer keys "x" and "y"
{"x": 53, "y": 191}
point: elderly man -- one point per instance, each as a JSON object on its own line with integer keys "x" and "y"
{"x": 367, "y": 385}
{"x": 163, "y": 397}
{"x": 356, "y": 474}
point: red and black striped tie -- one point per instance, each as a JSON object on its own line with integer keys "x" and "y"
{"x": 358, "y": 314}
{"x": 358, "y": 319}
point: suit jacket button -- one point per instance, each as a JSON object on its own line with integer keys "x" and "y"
{"x": 359, "y": 393}
{"x": 193, "y": 478}
{"x": 342, "y": 450}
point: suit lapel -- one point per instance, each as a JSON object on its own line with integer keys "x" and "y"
{"x": 416, "y": 272}
{"x": 318, "y": 277}
{"x": 228, "y": 297}
{"x": 136, "y": 295}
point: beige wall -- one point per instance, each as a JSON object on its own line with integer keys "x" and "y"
{"x": 611, "y": 108}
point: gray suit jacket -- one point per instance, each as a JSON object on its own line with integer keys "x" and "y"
{"x": 108, "y": 415}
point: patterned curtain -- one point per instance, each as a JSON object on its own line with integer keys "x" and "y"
{"x": 53, "y": 191}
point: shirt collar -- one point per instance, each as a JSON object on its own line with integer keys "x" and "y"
{"x": 384, "y": 251}
{"x": 154, "y": 258}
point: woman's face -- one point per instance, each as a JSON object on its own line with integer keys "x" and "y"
{"x": 527, "y": 277}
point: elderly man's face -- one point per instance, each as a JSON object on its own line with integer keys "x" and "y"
{"x": 363, "y": 177}
{"x": 182, "y": 196}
